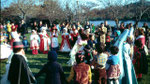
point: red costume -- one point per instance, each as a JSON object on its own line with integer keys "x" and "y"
{"x": 34, "y": 45}
{"x": 142, "y": 38}
{"x": 74, "y": 37}
{"x": 65, "y": 44}
{"x": 14, "y": 28}
{"x": 44, "y": 43}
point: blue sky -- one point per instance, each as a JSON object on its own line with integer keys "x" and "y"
{"x": 72, "y": 3}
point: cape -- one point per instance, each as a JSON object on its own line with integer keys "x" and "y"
{"x": 19, "y": 72}
{"x": 123, "y": 63}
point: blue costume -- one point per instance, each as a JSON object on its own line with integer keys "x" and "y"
{"x": 125, "y": 76}
{"x": 26, "y": 44}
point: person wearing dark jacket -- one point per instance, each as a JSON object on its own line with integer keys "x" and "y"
{"x": 23, "y": 28}
{"x": 19, "y": 71}
{"x": 54, "y": 72}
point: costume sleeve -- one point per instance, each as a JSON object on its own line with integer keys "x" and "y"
{"x": 19, "y": 72}
{"x": 71, "y": 75}
{"x": 90, "y": 75}
{"x": 26, "y": 73}
{"x": 13, "y": 70}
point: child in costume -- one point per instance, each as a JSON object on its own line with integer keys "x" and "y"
{"x": 53, "y": 70}
{"x": 108, "y": 40}
{"x": 54, "y": 39}
{"x": 14, "y": 27}
{"x": 116, "y": 34}
{"x": 140, "y": 60}
{"x": 81, "y": 72}
{"x": 113, "y": 71}
{"x": 25, "y": 43}
{"x": 88, "y": 54}
{"x": 9, "y": 30}
{"x": 91, "y": 41}
{"x": 19, "y": 71}
{"x": 44, "y": 42}
{"x": 34, "y": 44}
{"x": 79, "y": 45}
{"x": 74, "y": 36}
{"x": 99, "y": 69}
{"x": 65, "y": 44}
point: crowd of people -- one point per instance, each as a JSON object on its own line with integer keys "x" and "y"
{"x": 114, "y": 54}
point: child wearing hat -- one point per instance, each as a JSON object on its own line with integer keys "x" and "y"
{"x": 19, "y": 71}
{"x": 81, "y": 72}
{"x": 54, "y": 71}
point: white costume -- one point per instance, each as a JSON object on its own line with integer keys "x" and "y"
{"x": 79, "y": 45}
{"x": 5, "y": 51}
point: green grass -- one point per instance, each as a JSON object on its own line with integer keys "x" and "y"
{"x": 36, "y": 62}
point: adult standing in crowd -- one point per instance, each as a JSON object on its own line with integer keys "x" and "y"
{"x": 87, "y": 26}
{"x": 40, "y": 26}
{"x": 122, "y": 27}
{"x": 145, "y": 25}
{"x": 23, "y": 28}
{"x": 35, "y": 26}
{"x": 107, "y": 26}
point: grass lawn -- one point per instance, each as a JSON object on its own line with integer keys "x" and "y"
{"x": 36, "y": 62}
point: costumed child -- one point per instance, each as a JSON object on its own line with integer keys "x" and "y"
{"x": 14, "y": 37}
{"x": 91, "y": 41}
{"x": 99, "y": 68}
{"x": 116, "y": 34}
{"x": 141, "y": 36}
{"x": 34, "y": 44}
{"x": 9, "y": 30}
{"x": 19, "y": 71}
{"x": 74, "y": 36}
{"x": 5, "y": 50}
{"x": 65, "y": 44}
{"x": 44, "y": 42}
{"x": 88, "y": 54}
{"x": 54, "y": 39}
{"x": 14, "y": 27}
{"x": 130, "y": 77}
{"x": 25, "y": 43}
{"x": 112, "y": 67}
{"x": 79, "y": 45}
{"x": 53, "y": 70}
{"x": 81, "y": 72}
{"x": 108, "y": 40}
{"x": 140, "y": 60}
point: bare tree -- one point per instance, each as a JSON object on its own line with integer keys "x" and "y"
{"x": 23, "y": 7}
{"x": 52, "y": 10}
{"x": 139, "y": 9}
{"x": 116, "y": 9}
